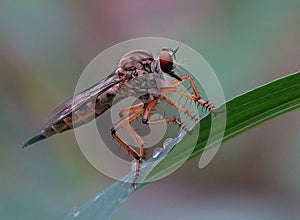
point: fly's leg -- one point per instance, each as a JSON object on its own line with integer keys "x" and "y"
{"x": 140, "y": 143}
{"x": 134, "y": 112}
{"x": 203, "y": 102}
{"x": 147, "y": 113}
{"x": 167, "y": 120}
{"x": 195, "y": 97}
{"x": 131, "y": 110}
{"x": 179, "y": 107}
{"x": 137, "y": 140}
{"x": 148, "y": 110}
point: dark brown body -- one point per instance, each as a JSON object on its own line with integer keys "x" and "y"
{"x": 129, "y": 79}
{"x": 138, "y": 75}
{"x": 85, "y": 113}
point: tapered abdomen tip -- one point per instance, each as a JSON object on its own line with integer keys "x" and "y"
{"x": 36, "y": 138}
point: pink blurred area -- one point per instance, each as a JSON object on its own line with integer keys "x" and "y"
{"x": 44, "y": 47}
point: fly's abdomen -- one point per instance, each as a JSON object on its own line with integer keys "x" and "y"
{"x": 85, "y": 113}
{"x": 78, "y": 117}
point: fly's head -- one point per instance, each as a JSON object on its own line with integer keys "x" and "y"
{"x": 167, "y": 62}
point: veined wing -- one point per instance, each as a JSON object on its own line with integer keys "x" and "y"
{"x": 73, "y": 104}
{"x": 85, "y": 96}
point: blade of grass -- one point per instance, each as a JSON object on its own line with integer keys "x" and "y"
{"x": 243, "y": 112}
{"x": 104, "y": 204}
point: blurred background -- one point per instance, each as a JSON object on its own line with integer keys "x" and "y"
{"x": 44, "y": 47}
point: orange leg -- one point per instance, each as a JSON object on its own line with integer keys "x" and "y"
{"x": 126, "y": 146}
{"x": 138, "y": 162}
{"x": 179, "y": 107}
{"x": 195, "y": 97}
{"x": 130, "y": 109}
{"x": 134, "y": 112}
{"x": 166, "y": 120}
{"x": 124, "y": 122}
{"x": 137, "y": 139}
{"x": 184, "y": 78}
{"x": 147, "y": 113}
{"x": 148, "y": 110}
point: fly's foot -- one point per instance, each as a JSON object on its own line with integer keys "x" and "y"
{"x": 137, "y": 166}
{"x": 185, "y": 128}
{"x": 133, "y": 186}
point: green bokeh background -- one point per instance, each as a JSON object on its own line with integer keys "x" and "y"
{"x": 45, "y": 45}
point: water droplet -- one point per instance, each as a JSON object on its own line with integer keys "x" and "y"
{"x": 167, "y": 142}
{"x": 96, "y": 198}
{"x": 180, "y": 135}
{"x": 157, "y": 152}
{"x": 76, "y": 214}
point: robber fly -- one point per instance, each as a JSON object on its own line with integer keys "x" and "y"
{"x": 139, "y": 73}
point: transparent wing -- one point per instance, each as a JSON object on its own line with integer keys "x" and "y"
{"x": 80, "y": 99}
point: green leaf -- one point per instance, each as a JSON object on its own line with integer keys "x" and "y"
{"x": 243, "y": 112}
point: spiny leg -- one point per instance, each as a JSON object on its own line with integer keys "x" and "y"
{"x": 138, "y": 140}
{"x": 138, "y": 162}
{"x": 124, "y": 122}
{"x": 202, "y": 102}
{"x": 167, "y": 120}
{"x": 126, "y": 146}
{"x": 196, "y": 97}
{"x": 184, "y": 78}
{"x": 179, "y": 107}
{"x": 131, "y": 109}
{"x": 147, "y": 113}
{"x": 136, "y": 112}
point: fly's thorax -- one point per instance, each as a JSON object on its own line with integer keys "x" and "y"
{"x": 142, "y": 67}
{"x": 137, "y": 60}
{"x": 138, "y": 86}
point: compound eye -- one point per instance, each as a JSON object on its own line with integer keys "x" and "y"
{"x": 166, "y": 62}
